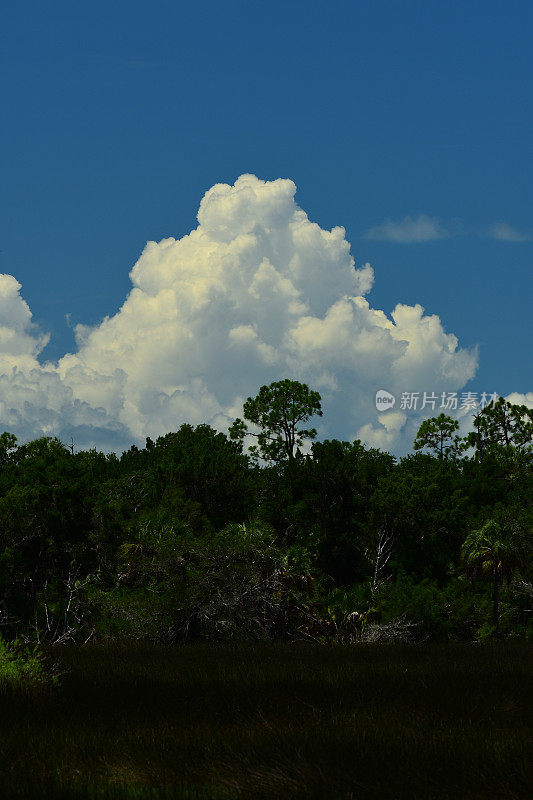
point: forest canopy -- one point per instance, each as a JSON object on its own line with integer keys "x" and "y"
{"x": 200, "y": 536}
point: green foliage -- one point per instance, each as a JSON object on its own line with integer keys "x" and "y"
{"x": 23, "y": 667}
{"x": 438, "y": 436}
{"x": 456, "y": 610}
{"x": 496, "y": 549}
{"x": 188, "y": 538}
{"x": 278, "y": 411}
{"x": 502, "y": 424}
{"x": 424, "y": 502}
{"x": 176, "y": 586}
{"x": 8, "y": 444}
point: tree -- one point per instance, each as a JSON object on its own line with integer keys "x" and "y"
{"x": 437, "y": 434}
{"x": 207, "y": 468}
{"x": 333, "y": 505}
{"x": 495, "y": 551}
{"x": 8, "y": 444}
{"x": 502, "y": 424}
{"x": 279, "y": 410}
{"x": 45, "y": 522}
{"x": 423, "y": 502}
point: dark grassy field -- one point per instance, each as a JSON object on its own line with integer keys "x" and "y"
{"x": 275, "y": 721}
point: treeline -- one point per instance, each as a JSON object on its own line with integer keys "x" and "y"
{"x": 199, "y": 536}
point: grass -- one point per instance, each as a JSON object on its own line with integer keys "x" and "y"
{"x": 205, "y": 722}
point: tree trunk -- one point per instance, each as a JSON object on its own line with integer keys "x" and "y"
{"x": 495, "y": 604}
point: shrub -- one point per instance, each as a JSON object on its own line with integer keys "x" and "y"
{"x": 177, "y": 586}
{"x": 455, "y": 610}
{"x": 24, "y": 667}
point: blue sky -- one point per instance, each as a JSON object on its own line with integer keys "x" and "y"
{"x": 118, "y": 117}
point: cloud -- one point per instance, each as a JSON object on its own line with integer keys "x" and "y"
{"x": 408, "y": 230}
{"x": 504, "y": 232}
{"x": 20, "y": 341}
{"x": 383, "y": 436}
{"x": 521, "y": 399}
{"x": 256, "y": 292}
{"x": 34, "y": 401}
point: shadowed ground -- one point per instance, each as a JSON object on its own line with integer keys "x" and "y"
{"x": 275, "y": 721}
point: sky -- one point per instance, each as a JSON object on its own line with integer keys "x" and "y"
{"x": 407, "y": 125}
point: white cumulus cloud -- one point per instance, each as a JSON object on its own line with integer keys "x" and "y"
{"x": 256, "y": 292}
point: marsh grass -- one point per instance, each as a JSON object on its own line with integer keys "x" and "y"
{"x": 204, "y": 722}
